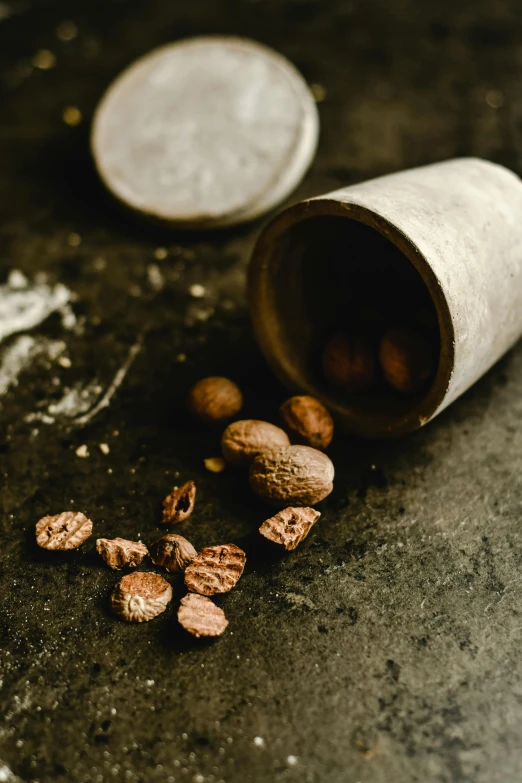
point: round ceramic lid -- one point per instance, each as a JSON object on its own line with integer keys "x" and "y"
{"x": 205, "y": 132}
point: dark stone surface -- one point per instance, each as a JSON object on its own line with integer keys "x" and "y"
{"x": 386, "y": 648}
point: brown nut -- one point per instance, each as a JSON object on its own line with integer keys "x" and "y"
{"x": 140, "y": 596}
{"x": 298, "y": 475}
{"x": 118, "y": 552}
{"x": 407, "y": 360}
{"x": 64, "y": 531}
{"x": 215, "y": 399}
{"x": 348, "y": 362}
{"x": 243, "y": 440}
{"x": 200, "y": 617}
{"x": 216, "y": 569}
{"x": 172, "y": 552}
{"x": 308, "y": 421}
{"x": 290, "y": 526}
{"x": 179, "y": 505}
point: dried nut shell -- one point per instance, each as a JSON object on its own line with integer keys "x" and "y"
{"x": 308, "y": 421}
{"x": 172, "y": 552}
{"x": 298, "y": 475}
{"x": 349, "y": 362}
{"x": 290, "y": 526}
{"x": 243, "y": 440}
{"x": 179, "y": 505}
{"x": 64, "y": 531}
{"x": 200, "y": 617}
{"x": 216, "y": 569}
{"x": 118, "y": 552}
{"x": 140, "y": 596}
{"x": 215, "y": 399}
{"x": 407, "y": 360}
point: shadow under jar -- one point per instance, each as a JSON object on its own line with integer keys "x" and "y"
{"x": 435, "y": 250}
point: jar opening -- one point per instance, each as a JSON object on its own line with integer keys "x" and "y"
{"x": 336, "y": 270}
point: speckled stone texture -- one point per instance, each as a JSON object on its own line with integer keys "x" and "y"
{"x": 386, "y": 648}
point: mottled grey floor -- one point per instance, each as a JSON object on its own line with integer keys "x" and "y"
{"x": 386, "y": 649}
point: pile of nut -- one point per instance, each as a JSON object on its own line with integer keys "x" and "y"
{"x": 287, "y": 468}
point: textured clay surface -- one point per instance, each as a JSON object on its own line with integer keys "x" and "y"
{"x": 290, "y": 526}
{"x": 64, "y": 531}
{"x": 243, "y": 440}
{"x": 216, "y": 569}
{"x": 296, "y": 474}
{"x": 172, "y": 552}
{"x": 140, "y": 596}
{"x": 179, "y": 505}
{"x": 200, "y": 616}
{"x": 118, "y": 552}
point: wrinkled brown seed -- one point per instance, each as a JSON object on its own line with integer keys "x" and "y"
{"x": 298, "y": 475}
{"x": 349, "y": 362}
{"x": 407, "y": 359}
{"x": 179, "y": 505}
{"x": 119, "y": 552}
{"x": 140, "y": 596}
{"x": 308, "y": 421}
{"x": 243, "y": 440}
{"x": 172, "y": 552}
{"x": 200, "y": 617}
{"x": 290, "y": 526}
{"x": 215, "y": 399}
{"x": 64, "y": 531}
{"x": 216, "y": 569}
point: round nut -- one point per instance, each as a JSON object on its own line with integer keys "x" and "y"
{"x": 172, "y": 552}
{"x": 348, "y": 362}
{"x": 407, "y": 360}
{"x": 140, "y": 596}
{"x": 64, "y": 531}
{"x": 200, "y": 616}
{"x": 295, "y": 475}
{"x": 215, "y": 399}
{"x": 308, "y": 421}
{"x": 244, "y": 440}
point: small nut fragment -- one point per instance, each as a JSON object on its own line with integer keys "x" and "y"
{"x": 308, "y": 421}
{"x": 119, "y": 552}
{"x": 243, "y": 440}
{"x": 290, "y": 526}
{"x": 140, "y": 596}
{"x": 407, "y": 360}
{"x": 215, "y": 464}
{"x": 215, "y": 399}
{"x": 172, "y": 552}
{"x": 216, "y": 569}
{"x": 200, "y": 617}
{"x": 296, "y": 474}
{"x": 64, "y": 531}
{"x": 179, "y": 505}
{"x": 349, "y": 363}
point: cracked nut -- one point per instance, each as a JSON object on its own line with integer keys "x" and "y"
{"x": 118, "y": 552}
{"x": 290, "y": 526}
{"x": 140, "y": 596}
{"x": 348, "y": 362}
{"x": 298, "y": 475}
{"x": 64, "y": 531}
{"x": 216, "y": 569}
{"x": 200, "y": 616}
{"x": 407, "y": 360}
{"x": 308, "y": 421}
{"x": 215, "y": 399}
{"x": 172, "y": 552}
{"x": 244, "y": 440}
{"x": 179, "y": 505}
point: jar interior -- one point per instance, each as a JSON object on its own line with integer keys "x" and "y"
{"x": 332, "y": 274}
